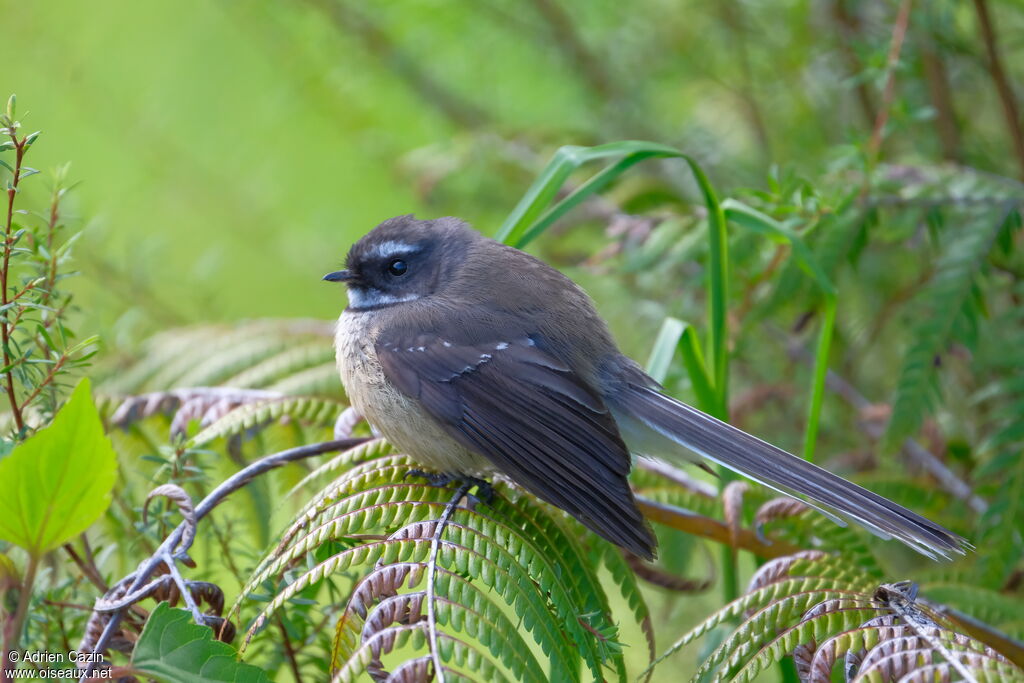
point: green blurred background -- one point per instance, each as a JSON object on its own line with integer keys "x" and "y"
{"x": 229, "y": 152}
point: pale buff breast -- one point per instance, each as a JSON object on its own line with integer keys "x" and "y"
{"x": 398, "y": 418}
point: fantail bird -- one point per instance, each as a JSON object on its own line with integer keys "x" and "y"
{"x": 475, "y": 358}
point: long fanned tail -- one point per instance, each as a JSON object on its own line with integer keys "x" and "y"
{"x": 738, "y": 451}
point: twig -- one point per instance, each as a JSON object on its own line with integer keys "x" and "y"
{"x": 678, "y": 477}
{"x": 186, "y": 595}
{"x": 12, "y": 630}
{"x": 141, "y": 575}
{"x": 289, "y": 650}
{"x": 940, "y": 94}
{"x": 104, "y": 605}
{"x": 581, "y": 58}
{"x": 667, "y": 580}
{"x": 88, "y": 570}
{"x": 1002, "y": 82}
{"x": 706, "y": 527}
{"x": 732, "y": 14}
{"x": 54, "y": 369}
{"x": 379, "y": 44}
{"x": 899, "y": 32}
{"x": 67, "y": 605}
{"x": 5, "y": 332}
{"x": 849, "y": 26}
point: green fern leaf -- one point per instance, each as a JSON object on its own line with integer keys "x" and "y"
{"x": 947, "y": 300}
{"x": 313, "y": 411}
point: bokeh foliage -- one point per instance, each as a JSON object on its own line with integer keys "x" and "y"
{"x": 230, "y": 152}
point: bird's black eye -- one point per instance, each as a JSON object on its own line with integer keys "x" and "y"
{"x": 398, "y": 267}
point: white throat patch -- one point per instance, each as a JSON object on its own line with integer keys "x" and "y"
{"x": 368, "y": 297}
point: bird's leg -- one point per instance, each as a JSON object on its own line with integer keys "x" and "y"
{"x": 484, "y": 489}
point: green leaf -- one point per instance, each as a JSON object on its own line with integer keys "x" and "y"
{"x": 676, "y": 334}
{"x": 172, "y": 648}
{"x": 531, "y": 217}
{"x": 59, "y": 480}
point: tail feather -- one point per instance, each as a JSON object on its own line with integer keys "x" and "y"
{"x": 738, "y": 451}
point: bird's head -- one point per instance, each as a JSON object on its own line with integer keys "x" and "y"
{"x": 403, "y": 260}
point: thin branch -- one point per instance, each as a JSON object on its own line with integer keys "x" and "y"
{"x": 848, "y": 28}
{"x": 706, "y": 527}
{"x": 379, "y": 44}
{"x": 678, "y": 477}
{"x": 732, "y": 14}
{"x": 54, "y": 369}
{"x": 1001, "y": 80}
{"x": 13, "y": 627}
{"x": 580, "y": 57}
{"x": 940, "y": 94}
{"x": 138, "y": 578}
{"x": 899, "y": 32}
{"x": 5, "y": 327}
{"x": 87, "y": 568}
{"x": 289, "y": 650}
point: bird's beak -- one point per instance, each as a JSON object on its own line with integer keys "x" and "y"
{"x": 339, "y": 276}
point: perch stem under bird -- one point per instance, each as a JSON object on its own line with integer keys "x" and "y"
{"x": 476, "y": 358}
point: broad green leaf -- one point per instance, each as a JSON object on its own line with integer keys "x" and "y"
{"x": 173, "y": 649}
{"x": 58, "y": 481}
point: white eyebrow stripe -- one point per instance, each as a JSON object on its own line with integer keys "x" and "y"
{"x": 392, "y": 248}
{"x": 360, "y": 297}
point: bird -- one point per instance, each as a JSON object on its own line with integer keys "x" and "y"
{"x": 478, "y": 360}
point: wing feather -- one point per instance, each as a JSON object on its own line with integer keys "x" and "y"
{"x": 529, "y": 414}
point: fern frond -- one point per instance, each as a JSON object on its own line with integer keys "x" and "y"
{"x": 840, "y": 614}
{"x": 367, "y": 658}
{"x": 319, "y": 380}
{"x": 368, "y": 451}
{"x": 213, "y": 354}
{"x": 625, "y": 579}
{"x": 1000, "y": 357}
{"x": 284, "y": 364}
{"x": 945, "y": 303}
{"x": 895, "y": 657}
{"x": 666, "y": 492}
{"x": 206, "y": 404}
{"x": 253, "y": 416}
{"x": 224, "y": 359}
{"x": 466, "y": 609}
{"x": 987, "y": 605}
{"x": 519, "y": 552}
{"x": 752, "y": 647}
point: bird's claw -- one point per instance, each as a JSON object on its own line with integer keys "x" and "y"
{"x": 484, "y": 489}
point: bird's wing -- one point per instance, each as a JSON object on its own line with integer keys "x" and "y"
{"x": 532, "y": 417}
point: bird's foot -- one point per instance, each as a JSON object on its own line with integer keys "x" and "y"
{"x": 484, "y": 489}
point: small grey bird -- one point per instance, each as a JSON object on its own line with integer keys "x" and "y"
{"x": 475, "y": 358}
